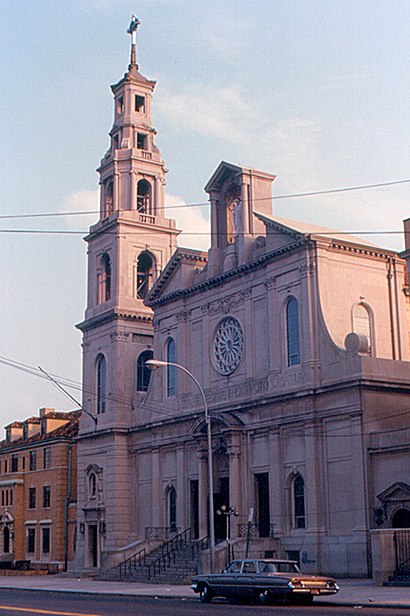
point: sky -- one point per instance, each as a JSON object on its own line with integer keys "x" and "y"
{"x": 316, "y": 92}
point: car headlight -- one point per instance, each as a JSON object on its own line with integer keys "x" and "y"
{"x": 290, "y": 586}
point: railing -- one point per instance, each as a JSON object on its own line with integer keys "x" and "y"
{"x": 160, "y": 533}
{"x": 256, "y": 531}
{"x": 402, "y": 547}
{"x": 168, "y": 552}
{"x": 147, "y": 218}
{"x": 201, "y": 544}
{"x": 132, "y": 563}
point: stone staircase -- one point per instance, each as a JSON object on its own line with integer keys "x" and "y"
{"x": 173, "y": 562}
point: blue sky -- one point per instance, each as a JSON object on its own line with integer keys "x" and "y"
{"x": 315, "y": 92}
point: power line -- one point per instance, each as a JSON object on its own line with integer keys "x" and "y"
{"x": 203, "y": 233}
{"x": 204, "y": 203}
{"x": 69, "y": 383}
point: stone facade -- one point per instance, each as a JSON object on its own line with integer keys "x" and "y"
{"x": 299, "y": 338}
{"x": 38, "y": 490}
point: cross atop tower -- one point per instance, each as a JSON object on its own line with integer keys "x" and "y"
{"x": 132, "y": 30}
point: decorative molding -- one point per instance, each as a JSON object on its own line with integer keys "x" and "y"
{"x": 183, "y": 315}
{"x": 307, "y": 269}
{"x": 226, "y": 304}
{"x": 119, "y": 336}
{"x": 270, "y": 283}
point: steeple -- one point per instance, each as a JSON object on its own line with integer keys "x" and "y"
{"x": 132, "y": 170}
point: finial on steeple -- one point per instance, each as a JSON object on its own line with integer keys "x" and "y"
{"x": 132, "y": 29}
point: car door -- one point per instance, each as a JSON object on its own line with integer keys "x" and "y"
{"x": 248, "y": 578}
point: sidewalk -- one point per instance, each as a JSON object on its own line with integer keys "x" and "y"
{"x": 352, "y": 592}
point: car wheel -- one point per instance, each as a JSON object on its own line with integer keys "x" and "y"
{"x": 265, "y": 597}
{"x": 205, "y": 595}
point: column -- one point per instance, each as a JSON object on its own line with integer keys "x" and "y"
{"x": 235, "y": 496}
{"x": 181, "y": 490}
{"x": 116, "y": 192}
{"x": 133, "y": 187}
{"x": 275, "y": 485}
{"x": 156, "y": 490}
{"x": 202, "y": 492}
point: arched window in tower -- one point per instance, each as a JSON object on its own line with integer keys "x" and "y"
{"x": 143, "y": 372}
{"x": 108, "y": 199}
{"x": 362, "y": 324}
{"x": 101, "y": 370}
{"x": 171, "y": 374}
{"x": 144, "y": 197}
{"x": 104, "y": 279}
{"x": 145, "y": 274}
{"x": 172, "y": 510}
{"x": 292, "y": 332}
{"x": 299, "y": 518}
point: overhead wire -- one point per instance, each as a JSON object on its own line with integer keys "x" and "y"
{"x": 328, "y": 191}
{"x": 70, "y": 383}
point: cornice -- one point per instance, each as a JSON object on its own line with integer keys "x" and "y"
{"x": 93, "y": 322}
{"x": 367, "y": 251}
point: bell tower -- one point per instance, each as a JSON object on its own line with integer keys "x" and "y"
{"x": 127, "y": 249}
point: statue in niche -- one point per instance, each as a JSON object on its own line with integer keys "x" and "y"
{"x": 233, "y": 216}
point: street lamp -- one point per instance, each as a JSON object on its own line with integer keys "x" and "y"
{"x": 227, "y": 512}
{"x": 153, "y": 364}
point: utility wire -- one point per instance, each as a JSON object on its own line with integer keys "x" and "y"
{"x": 76, "y": 385}
{"x": 206, "y": 233}
{"x": 204, "y": 203}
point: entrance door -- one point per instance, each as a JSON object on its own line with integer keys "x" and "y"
{"x": 263, "y": 513}
{"x": 194, "y": 508}
{"x": 93, "y": 544}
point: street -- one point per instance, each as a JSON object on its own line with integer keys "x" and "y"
{"x": 77, "y": 604}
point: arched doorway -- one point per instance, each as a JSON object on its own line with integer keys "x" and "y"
{"x": 401, "y": 519}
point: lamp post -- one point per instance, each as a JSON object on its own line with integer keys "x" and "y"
{"x": 158, "y": 363}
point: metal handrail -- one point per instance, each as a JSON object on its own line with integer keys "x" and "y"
{"x": 134, "y": 561}
{"x": 169, "y": 550}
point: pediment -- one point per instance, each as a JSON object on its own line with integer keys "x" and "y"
{"x": 399, "y": 491}
{"x": 176, "y": 275}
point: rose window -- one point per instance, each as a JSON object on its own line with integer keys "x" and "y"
{"x": 228, "y": 346}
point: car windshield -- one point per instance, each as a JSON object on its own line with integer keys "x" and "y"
{"x": 234, "y": 567}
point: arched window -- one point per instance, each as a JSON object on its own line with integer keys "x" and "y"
{"x": 145, "y": 274}
{"x": 292, "y": 332}
{"x": 108, "y": 206}
{"x": 362, "y": 324}
{"x": 144, "y": 197}
{"x": 299, "y": 502}
{"x": 92, "y": 485}
{"x": 171, "y": 375}
{"x": 143, "y": 372}
{"x": 172, "y": 513}
{"x": 101, "y": 384}
{"x": 104, "y": 279}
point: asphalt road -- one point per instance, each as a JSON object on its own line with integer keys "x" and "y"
{"x": 33, "y": 603}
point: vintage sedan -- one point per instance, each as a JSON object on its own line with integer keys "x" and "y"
{"x": 263, "y": 580}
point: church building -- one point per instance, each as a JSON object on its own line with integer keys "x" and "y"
{"x": 296, "y": 335}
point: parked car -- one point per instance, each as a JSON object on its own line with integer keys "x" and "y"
{"x": 263, "y": 580}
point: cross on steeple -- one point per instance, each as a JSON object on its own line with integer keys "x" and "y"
{"x": 132, "y": 30}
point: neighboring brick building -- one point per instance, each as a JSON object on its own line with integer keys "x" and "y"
{"x": 38, "y": 489}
